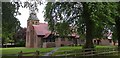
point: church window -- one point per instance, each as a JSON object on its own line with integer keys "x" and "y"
{"x": 36, "y": 22}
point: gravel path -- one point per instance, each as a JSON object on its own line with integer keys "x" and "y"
{"x": 50, "y": 53}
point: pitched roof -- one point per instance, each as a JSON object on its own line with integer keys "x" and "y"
{"x": 41, "y": 29}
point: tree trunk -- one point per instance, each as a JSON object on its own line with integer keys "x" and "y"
{"x": 89, "y": 34}
{"x": 117, "y": 20}
{"x": 89, "y": 26}
{"x": 2, "y": 42}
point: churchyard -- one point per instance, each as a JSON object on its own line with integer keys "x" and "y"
{"x": 69, "y": 30}
{"x": 61, "y": 51}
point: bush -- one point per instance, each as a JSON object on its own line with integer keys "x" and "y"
{"x": 20, "y": 43}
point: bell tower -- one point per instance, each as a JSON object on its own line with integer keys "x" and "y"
{"x": 32, "y": 20}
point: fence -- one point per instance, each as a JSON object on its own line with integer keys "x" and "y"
{"x": 78, "y": 52}
{"x": 20, "y": 54}
{"x": 88, "y": 52}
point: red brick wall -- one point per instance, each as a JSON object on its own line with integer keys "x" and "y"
{"x": 48, "y": 44}
{"x": 30, "y": 35}
{"x": 58, "y": 42}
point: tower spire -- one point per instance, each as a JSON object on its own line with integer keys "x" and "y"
{"x": 33, "y": 16}
{"x": 32, "y": 10}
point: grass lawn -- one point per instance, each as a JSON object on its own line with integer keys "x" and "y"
{"x": 15, "y": 50}
{"x": 79, "y": 49}
{"x": 23, "y": 49}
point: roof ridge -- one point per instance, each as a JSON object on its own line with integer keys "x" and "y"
{"x": 42, "y": 23}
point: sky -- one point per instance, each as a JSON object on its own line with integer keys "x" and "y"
{"x": 25, "y": 14}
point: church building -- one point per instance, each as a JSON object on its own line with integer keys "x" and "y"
{"x": 38, "y": 35}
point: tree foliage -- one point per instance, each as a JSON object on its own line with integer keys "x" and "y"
{"x": 20, "y": 36}
{"x": 90, "y": 19}
{"x": 10, "y": 24}
{"x": 64, "y": 15}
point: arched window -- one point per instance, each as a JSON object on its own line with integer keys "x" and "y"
{"x": 36, "y": 22}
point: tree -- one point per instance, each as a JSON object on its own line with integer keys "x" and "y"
{"x": 114, "y": 11}
{"x": 89, "y": 26}
{"x": 117, "y": 20}
{"x": 71, "y": 13}
{"x": 20, "y": 36}
{"x": 88, "y": 17}
{"x": 10, "y": 24}
{"x": 59, "y": 15}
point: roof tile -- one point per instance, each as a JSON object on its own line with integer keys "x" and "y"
{"x": 41, "y": 29}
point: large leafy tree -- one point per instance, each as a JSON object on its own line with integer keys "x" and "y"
{"x": 111, "y": 15}
{"x": 10, "y": 24}
{"x": 90, "y": 18}
{"x": 114, "y": 18}
{"x": 112, "y": 12}
{"x": 76, "y": 14}
{"x": 117, "y": 21}
{"x": 63, "y": 17}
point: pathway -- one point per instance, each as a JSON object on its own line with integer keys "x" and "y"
{"x": 50, "y": 53}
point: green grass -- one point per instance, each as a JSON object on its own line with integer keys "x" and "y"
{"x": 70, "y": 48}
{"x": 106, "y": 46}
{"x": 15, "y": 50}
{"x": 23, "y": 49}
{"x": 78, "y": 49}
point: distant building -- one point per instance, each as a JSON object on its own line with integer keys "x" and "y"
{"x": 109, "y": 35}
{"x": 107, "y": 40}
{"x": 39, "y": 35}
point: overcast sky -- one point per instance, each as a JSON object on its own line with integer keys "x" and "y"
{"x": 25, "y": 14}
